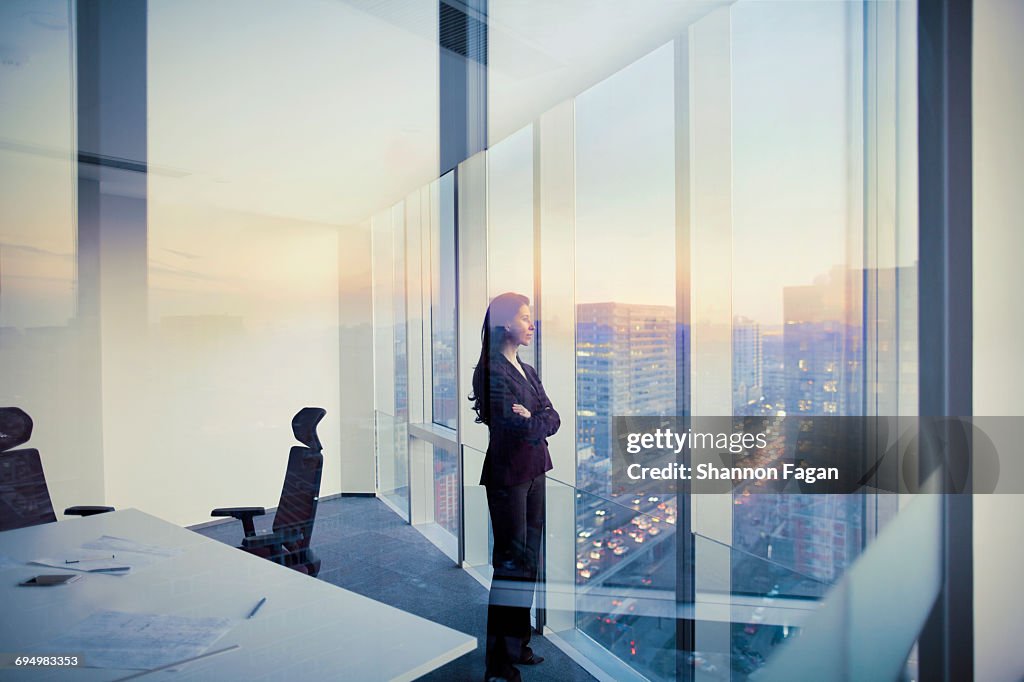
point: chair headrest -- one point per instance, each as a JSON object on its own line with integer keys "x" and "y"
{"x": 15, "y": 427}
{"x": 304, "y": 426}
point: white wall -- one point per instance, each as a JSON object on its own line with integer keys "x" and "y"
{"x": 998, "y": 323}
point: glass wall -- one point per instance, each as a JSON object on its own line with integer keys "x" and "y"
{"x": 442, "y": 306}
{"x": 510, "y": 220}
{"x": 446, "y": 489}
{"x": 247, "y": 194}
{"x": 242, "y": 307}
{"x": 769, "y": 249}
{"x": 625, "y": 350}
{"x": 391, "y": 368}
{"x": 49, "y": 350}
{"x": 414, "y": 358}
{"x": 798, "y": 326}
{"x": 824, "y": 258}
{"x": 479, "y": 539}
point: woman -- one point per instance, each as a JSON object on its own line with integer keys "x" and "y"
{"x": 509, "y": 398}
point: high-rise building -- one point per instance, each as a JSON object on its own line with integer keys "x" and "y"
{"x": 773, "y": 370}
{"x": 822, "y": 347}
{"x": 625, "y": 366}
{"x": 823, "y": 376}
{"x": 747, "y": 366}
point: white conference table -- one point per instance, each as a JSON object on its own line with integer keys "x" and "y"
{"x": 306, "y": 630}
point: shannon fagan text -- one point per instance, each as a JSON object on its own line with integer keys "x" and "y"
{"x": 667, "y": 439}
{"x": 710, "y": 472}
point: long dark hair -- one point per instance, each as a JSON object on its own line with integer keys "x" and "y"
{"x": 500, "y": 312}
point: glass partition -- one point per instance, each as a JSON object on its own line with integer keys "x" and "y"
{"x": 446, "y": 489}
{"x": 769, "y": 249}
{"x": 873, "y": 608}
{"x": 625, "y": 593}
{"x": 392, "y": 435}
{"x": 797, "y": 327}
{"x": 391, "y": 367}
{"x": 510, "y": 220}
{"x": 823, "y": 262}
{"x": 625, "y": 340}
{"x": 49, "y": 346}
{"x": 479, "y": 539}
{"x": 442, "y": 306}
{"x": 626, "y": 577}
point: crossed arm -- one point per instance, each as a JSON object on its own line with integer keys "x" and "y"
{"x": 513, "y": 417}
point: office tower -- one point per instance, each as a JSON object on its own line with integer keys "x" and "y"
{"x": 747, "y": 363}
{"x": 823, "y": 375}
{"x": 445, "y": 390}
{"x": 446, "y": 490}
{"x": 773, "y": 370}
{"x": 822, "y": 346}
{"x": 625, "y": 366}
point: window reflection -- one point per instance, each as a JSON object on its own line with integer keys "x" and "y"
{"x": 391, "y": 368}
{"x": 510, "y": 222}
{"x": 48, "y": 349}
{"x": 625, "y": 354}
{"x": 442, "y": 307}
{"x": 446, "y": 489}
{"x": 797, "y": 334}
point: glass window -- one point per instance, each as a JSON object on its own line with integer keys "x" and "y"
{"x": 48, "y": 343}
{"x": 798, "y": 325}
{"x": 510, "y": 220}
{"x": 823, "y": 284}
{"x": 442, "y": 307}
{"x": 625, "y": 350}
{"x": 390, "y": 361}
{"x": 446, "y": 489}
{"x": 246, "y": 194}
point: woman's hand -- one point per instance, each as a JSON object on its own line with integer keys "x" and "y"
{"x": 521, "y": 411}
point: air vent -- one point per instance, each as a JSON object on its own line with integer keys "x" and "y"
{"x": 462, "y": 34}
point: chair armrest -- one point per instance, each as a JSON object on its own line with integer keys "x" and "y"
{"x": 87, "y": 510}
{"x": 280, "y": 537}
{"x": 243, "y": 514}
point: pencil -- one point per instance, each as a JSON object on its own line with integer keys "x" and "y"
{"x": 256, "y": 608}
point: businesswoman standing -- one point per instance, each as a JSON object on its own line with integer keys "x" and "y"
{"x": 509, "y": 398}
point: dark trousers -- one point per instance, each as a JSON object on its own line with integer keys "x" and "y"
{"x": 517, "y": 519}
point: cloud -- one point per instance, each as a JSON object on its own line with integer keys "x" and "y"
{"x": 36, "y": 250}
{"x": 183, "y": 254}
{"x": 156, "y": 267}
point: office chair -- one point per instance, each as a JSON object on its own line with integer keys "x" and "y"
{"x": 24, "y": 496}
{"x": 288, "y": 543}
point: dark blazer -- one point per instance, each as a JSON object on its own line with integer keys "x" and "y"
{"x": 518, "y": 449}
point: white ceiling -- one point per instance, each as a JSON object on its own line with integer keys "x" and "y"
{"x": 327, "y": 110}
{"x": 542, "y": 53}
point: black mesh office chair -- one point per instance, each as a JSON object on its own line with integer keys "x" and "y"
{"x": 24, "y": 496}
{"x": 288, "y": 543}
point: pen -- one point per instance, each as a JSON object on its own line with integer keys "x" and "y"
{"x": 256, "y": 608}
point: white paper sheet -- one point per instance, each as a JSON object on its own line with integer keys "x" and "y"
{"x": 138, "y": 641}
{"x": 109, "y": 543}
{"x": 87, "y": 562}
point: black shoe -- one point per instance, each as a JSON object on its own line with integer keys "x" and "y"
{"x": 530, "y": 658}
